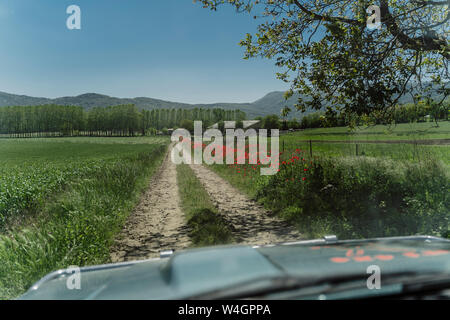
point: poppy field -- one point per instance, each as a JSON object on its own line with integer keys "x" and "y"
{"x": 386, "y": 190}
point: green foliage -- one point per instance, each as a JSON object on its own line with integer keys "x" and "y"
{"x": 331, "y": 58}
{"x": 188, "y": 125}
{"x": 151, "y": 132}
{"x": 406, "y": 113}
{"x": 74, "y": 225}
{"x": 294, "y": 124}
{"x": 313, "y": 120}
{"x": 23, "y": 191}
{"x": 340, "y": 141}
{"x": 389, "y": 189}
{"x": 417, "y": 112}
{"x": 239, "y": 124}
{"x": 271, "y": 122}
{"x": 221, "y": 126}
{"x": 122, "y": 120}
{"x": 207, "y": 226}
{"x": 401, "y": 131}
{"x": 361, "y": 196}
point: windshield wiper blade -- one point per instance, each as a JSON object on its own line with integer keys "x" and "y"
{"x": 411, "y": 280}
{"x": 250, "y": 288}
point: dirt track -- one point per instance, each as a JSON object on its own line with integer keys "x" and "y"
{"x": 251, "y": 222}
{"x": 157, "y": 223}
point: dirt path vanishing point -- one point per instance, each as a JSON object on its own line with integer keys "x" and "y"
{"x": 251, "y": 222}
{"x": 157, "y": 223}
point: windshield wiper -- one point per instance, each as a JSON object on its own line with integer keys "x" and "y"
{"x": 409, "y": 280}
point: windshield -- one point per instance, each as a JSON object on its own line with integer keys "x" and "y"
{"x": 139, "y": 130}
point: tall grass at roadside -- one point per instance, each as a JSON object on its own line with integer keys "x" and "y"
{"x": 78, "y": 226}
{"x": 245, "y": 177}
{"x": 207, "y": 226}
{"x": 361, "y": 197}
{"x": 352, "y": 197}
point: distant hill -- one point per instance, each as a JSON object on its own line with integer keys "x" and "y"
{"x": 271, "y": 103}
{"x": 7, "y": 99}
{"x": 275, "y": 101}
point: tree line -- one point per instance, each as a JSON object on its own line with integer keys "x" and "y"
{"x": 123, "y": 120}
{"x": 407, "y": 113}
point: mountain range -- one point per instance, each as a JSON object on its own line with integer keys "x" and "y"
{"x": 272, "y": 103}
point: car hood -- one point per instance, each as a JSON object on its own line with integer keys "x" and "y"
{"x": 196, "y": 272}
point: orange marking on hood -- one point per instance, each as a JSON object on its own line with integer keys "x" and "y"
{"x": 434, "y": 252}
{"x": 384, "y": 257}
{"x": 362, "y": 258}
{"x": 411, "y": 255}
{"x": 339, "y": 260}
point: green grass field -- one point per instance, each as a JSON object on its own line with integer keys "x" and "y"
{"x": 63, "y": 200}
{"x": 389, "y": 189}
{"x": 398, "y": 151}
{"x": 59, "y": 150}
{"x": 403, "y": 131}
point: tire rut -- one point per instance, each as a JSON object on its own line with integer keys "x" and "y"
{"x": 252, "y": 224}
{"x": 157, "y": 223}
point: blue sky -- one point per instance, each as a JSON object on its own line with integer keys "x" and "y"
{"x": 167, "y": 49}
